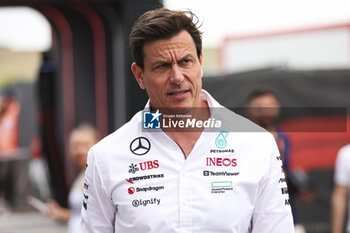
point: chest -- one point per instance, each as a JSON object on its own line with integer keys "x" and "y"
{"x": 162, "y": 189}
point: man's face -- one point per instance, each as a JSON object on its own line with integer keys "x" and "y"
{"x": 172, "y": 74}
{"x": 264, "y": 110}
{"x": 79, "y": 144}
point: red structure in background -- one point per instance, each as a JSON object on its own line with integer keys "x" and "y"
{"x": 312, "y": 148}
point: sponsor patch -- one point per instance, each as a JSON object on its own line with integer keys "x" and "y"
{"x": 286, "y": 202}
{"x": 282, "y": 180}
{"x": 148, "y": 165}
{"x": 224, "y": 173}
{"x": 86, "y": 197}
{"x": 145, "y": 202}
{"x": 146, "y": 177}
{"x": 222, "y": 151}
{"x": 133, "y": 168}
{"x": 132, "y": 190}
{"x": 284, "y": 190}
{"x": 219, "y": 162}
{"x": 140, "y": 146}
{"x": 221, "y": 186}
{"x": 220, "y": 140}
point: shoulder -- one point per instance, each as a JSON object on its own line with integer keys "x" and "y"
{"x": 344, "y": 153}
{"x": 345, "y": 149}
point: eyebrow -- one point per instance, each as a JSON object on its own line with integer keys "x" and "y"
{"x": 159, "y": 62}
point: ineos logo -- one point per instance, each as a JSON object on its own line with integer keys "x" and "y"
{"x": 140, "y": 146}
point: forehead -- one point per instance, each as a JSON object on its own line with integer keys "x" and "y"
{"x": 266, "y": 99}
{"x": 81, "y": 136}
{"x": 180, "y": 44}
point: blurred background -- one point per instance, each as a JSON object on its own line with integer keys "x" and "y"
{"x": 63, "y": 63}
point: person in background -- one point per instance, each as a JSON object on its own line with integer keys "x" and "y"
{"x": 9, "y": 118}
{"x": 81, "y": 139}
{"x": 264, "y": 109}
{"x": 340, "y": 195}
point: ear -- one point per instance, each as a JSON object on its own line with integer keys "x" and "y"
{"x": 201, "y": 62}
{"x": 138, "y": 73}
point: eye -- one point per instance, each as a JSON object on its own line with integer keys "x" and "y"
{"x": 186, "y": 62}
{"x": 161, "y": 67}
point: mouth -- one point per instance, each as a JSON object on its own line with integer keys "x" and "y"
{"x": 178, "y": 92}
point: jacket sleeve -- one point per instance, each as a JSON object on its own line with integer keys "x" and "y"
{"x": 98, "y": 211}
{"x": 272, "y": 213}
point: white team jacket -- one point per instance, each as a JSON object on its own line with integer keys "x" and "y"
{"x": 138, "y": 181}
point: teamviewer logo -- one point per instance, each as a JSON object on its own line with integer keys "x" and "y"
{"x": 151, "y": 120}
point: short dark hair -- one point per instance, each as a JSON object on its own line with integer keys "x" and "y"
{"x": 261, "y": 92}
{"x": 162, "y": 23}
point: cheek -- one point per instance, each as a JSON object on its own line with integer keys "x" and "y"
{"x": 155, "y": 85}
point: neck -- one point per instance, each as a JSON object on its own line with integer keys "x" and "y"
{"x": 186, "y": 137}
{"x": 176, "y": 121}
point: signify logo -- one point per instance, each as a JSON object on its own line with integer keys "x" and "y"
{"x": 141, "y": 202}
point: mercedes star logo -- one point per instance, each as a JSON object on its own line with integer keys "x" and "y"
{"x": 140, "y": 146}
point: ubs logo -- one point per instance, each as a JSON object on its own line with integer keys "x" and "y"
{"x": 148, "y": 165}
{"x": 140, "y": 146}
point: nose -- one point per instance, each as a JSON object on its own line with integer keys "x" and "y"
{"x": 176, "y": 75}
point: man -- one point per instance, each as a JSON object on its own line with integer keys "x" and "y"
{"x": 9, "y": 117}
{"x": 264, "y": 108}
{"x": 175, "y": 178}
{"x": 81, "y": 139}
{"x": 341, "y": 191}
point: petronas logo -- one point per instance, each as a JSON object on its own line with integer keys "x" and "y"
{"x": 220, "y": 140}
